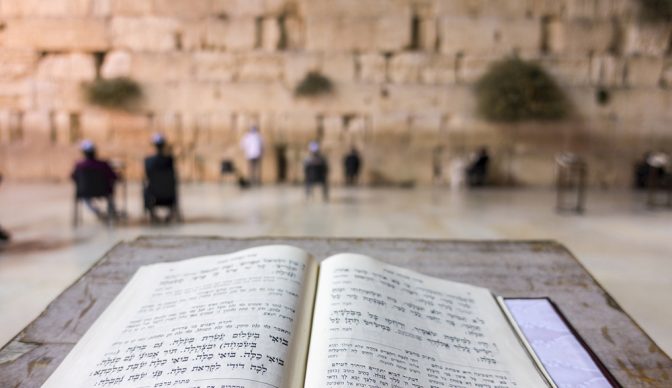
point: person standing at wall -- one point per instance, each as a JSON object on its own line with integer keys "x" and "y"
{"x": 253, "y": 146}
{"x": 352, "y": 164}
{"x": 160, "y": 184}
{"x": 316, "y": 171}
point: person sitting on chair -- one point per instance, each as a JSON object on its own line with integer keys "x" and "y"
{"x": 94, "y": 179}
{"x": 316, "y": 171}
{"x": 477, "y": 172}
{"x": 160, "y": 185}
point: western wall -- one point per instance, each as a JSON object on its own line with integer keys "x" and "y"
{"x": 403, "y": 74}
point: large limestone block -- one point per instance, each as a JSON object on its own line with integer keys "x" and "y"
{"x": 260, "y": 67}
{"x": 215, "y": 66}
{"x": 67, "y": 67}
{"x": 298, "y": 64}
{"x": 607, "y": 70}
{"x": 383, "y": 25}
{"x": 440, "y": 69}
{"x": 568, "y": 70}
{"x": 56, "y": 34}
{"x": 647, "y": 39}
{"x": 347, "y": 97}
{"x": 470, "y": 68}
{"x": 339, "y": 66}
{"x": 145, "y": 34}
{"x": 427, "y": 98}
{"x": 509, "y": 9}
{"x": 131, "y": 7}
{"x": 241, "y": 34}
{"x": 57, "y": 95}
{"x": 271, "y": 34}
{"x": 116, "y": 64}
{"x": 17, "y": 63}
{"x": 252, "y": 8}
{"x": 644, "y": 71}
{"x": 152, "y": 67}
{"x": 585, "y": 36}
{"x": 407, "y": 67}
{"x": 183, "y": 9}
{"x": 488, "y": 36}
{"x": 95, "y": 126}
{"x": 372, "y": 68}
{"x": 37, "y": 127}
{"x": 40, "y": 8}
{"x": 16, "y": 94}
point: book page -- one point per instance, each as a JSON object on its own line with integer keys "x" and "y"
{"x": 377, "y": 325}
{"x": 229, "y": 321}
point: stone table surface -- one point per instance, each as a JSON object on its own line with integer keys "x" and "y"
{"x": 508, "y": 268}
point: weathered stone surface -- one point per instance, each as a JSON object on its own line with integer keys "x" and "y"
{"x": 131, "y": 8}
{"x": 56, "y": 34}
{"x": 260, "y": 67}
{"x": 440, "y": 69}
{"x": 569, "y": 71}
{"x": 643, "y": 72}
{"x": 58, "y": 8}
{"x": 145, "y": 34}
{"x": 67, "y": 67}
{"x": 153, "y": 67}
{"x": 215, "y": 66}
{"x": 241, "y": 34}
{"x": 339, "y": 66}
{"x": 607, "y": 70}
{"x": 462, "y": 35}
{"x": 381, "y": 25}
{"x": 648, "y": 39}
{"x": 116, "y": 64}
{"x": 372, "y": 68}
{"x": 271, "y": 34}
{"x": 407, "y": 67}
{"x": 37, "y": 126}
{"x": 183, "y": 9}
{"x": 17, "y": 63}
{"x": 249, "y": 8}
{"x": 584, "y": 36}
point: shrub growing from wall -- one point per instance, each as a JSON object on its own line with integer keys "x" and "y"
{"x": 313, "y": 84}
{"x": 115, "y": 93}
{"x": 514, "y": 90}
{"x": 657, "y": 10}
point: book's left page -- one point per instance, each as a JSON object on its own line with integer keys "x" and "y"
{"x": 234, "y": 321}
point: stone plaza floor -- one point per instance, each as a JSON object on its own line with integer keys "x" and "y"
{"x": 625, "y": 246}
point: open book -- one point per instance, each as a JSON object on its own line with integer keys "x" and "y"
{"x": 273, "y": 317}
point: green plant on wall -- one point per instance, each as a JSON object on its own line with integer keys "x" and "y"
{"x": 514, "y": 90}
{"x": 115, "y": 93}
{"x": 657, "y": 10}
{"x": 313, "y": 84}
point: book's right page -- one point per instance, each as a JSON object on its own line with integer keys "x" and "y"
{"x": 377, "y": 325}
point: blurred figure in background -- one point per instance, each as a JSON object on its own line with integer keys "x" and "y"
{"x": 316, "y": 171}
{"x": 94, "y": 179}
{"x": 160, "y": 185}
{"x": 352, "y": 164}
{"x": 477, "y": 172}
{"x": 253, "y": 146}
{"x": 4, "y": 235}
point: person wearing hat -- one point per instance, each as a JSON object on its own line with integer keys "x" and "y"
{"x": 160, "y": 184}
{"x": 253, "y": 146}
{"x": 316, "y": 171}
{"x": 95, "y": 178}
